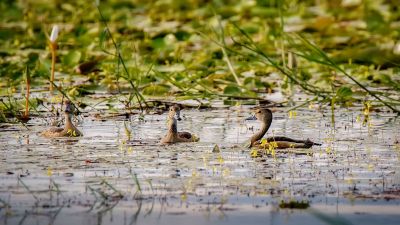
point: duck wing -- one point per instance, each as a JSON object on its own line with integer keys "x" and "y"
{"x": 185, "y": 135}
{"x": 52, "y": 132}
{"x": 308, "y": 142}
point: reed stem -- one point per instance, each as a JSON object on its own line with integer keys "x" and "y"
{"x": 53, "y": 47}
{"x": 28, "y": 91}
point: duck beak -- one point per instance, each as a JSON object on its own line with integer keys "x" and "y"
{"x": 178, "y": 116}
{"x": 252, "y": 117}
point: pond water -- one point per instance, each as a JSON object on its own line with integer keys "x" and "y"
{"x": 101, "y": 178}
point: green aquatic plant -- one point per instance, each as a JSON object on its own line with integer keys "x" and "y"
{"x": 128, "y": 131}
{"x": 312, "y": 54}
{"x": 169, "y": 55}
{"x": 28, "y": 88}
{"x": 137, "y": 183}
{"x": 28, "y": 189}
{"x": 319, "y": 56}
{"x": 121, "y": 60}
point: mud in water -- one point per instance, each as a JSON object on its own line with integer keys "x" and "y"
{"x": 104, "y": 178}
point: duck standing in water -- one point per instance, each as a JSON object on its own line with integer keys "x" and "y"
{"x": 173, "y": 136}
{"x": 69, "y": 129}
{"x": 265, "y": 116}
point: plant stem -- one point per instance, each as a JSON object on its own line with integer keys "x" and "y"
{"x": 303, "y": 104}
{"x": 65, "y": 95}
{"x": 333, "y": 101}
{"x": 331, "y": 63}
{"x": 139, "y": 97}
{"x": 253, "y": 47}
{"x": 28, "y": 87}
{"x": 10, "y": 109}
{"x": 228, "y": 61}
{"x": 53, "y": 47}
{"x": 226, "y": 57}
{"x": 27, "y": 188}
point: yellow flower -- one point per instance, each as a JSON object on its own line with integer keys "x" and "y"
{"x": 254, "y": 152}
{"x": 49, "y": 171}
{"x": 370, "y": 167}
{"x": 183, "y": 197}
{"x": 226, "y": 172}
{"x": 130, "y": 150}
{"x": 264, "y": 142}
{"x": 220, "y": 159}
{"x": 195, "y": 138}
{"x": 205, "y": 161}
{"x": 273, "y": 153}
{"x": 292, "y": 114}
{"x": 367, "y": 107}
{"x": 328, "y": 150}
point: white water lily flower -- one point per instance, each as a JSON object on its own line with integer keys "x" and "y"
{"x": 54, "y": 34}
{"x": 351, "y": 3}
{"x": 396, "y": 48}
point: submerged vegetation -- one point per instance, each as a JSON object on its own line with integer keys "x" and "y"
{"x": 339, "y": 53}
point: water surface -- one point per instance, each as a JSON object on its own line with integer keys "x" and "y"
{"x": 102, "y": 178}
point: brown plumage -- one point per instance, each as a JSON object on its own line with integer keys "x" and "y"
{"x": 265, "y": 116}
{"x": 69, "y": 129}
{"x": 173, "y": 136}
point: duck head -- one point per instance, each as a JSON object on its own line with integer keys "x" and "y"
{"x": 69, "y": 108}
{"x": 261, "y": 114}
{"x": 175, "y": 111}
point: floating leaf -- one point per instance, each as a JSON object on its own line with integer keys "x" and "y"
{"x": 231, "y": 90}
{"x": 374, "y": 20}
{"x": 32, "y": 59}
{"x": 72, "y": 58}
{"x": 252, "y": 82}
{"x": 156, "y": 89}
{"x": 216, "y": 149}
{"x": 344, "y": 92}
{"x": 158, "y": 43}
{"x": 73, "y": 92}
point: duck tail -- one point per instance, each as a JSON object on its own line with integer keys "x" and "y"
{"x": 309, "y": 142}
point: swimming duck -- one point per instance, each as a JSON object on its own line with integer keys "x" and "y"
{"x": 173, "y": 136}
{"x": 265, "y": 116}
{"x": 69, "y": 129}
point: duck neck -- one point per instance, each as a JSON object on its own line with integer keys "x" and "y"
{"x": 173, "y": 126}
{"x": 264, "y": 128}
{"x": 68, "y": 121}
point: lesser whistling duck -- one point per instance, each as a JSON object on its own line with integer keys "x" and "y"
{"x": 265, "y": 116}
{"x": 173, "y": 136}
{"x": 69, "y": 129}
